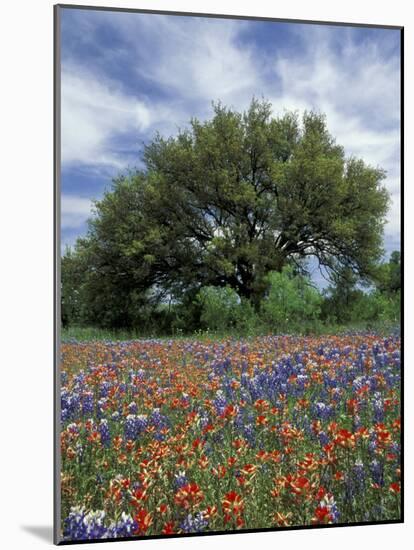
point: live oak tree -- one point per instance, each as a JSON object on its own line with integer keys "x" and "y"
{"x": 225, "y": 202}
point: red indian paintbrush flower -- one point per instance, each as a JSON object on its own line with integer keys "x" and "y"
{"x": 395, "y": 488}
{"x": 168, "y": 528}
{"x": 300, "y": 486}
{"x": 233, "y": 503}
{"x": 189, "y": 495}
{"x": 322, "y": 515}
{"x": 143, "y": 520}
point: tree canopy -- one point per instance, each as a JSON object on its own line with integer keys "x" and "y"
{"x": 225, "y": 202}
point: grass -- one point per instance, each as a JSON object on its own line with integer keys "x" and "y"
{"x": 90, "y": 334}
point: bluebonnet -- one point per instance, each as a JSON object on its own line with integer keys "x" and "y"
{"x": 220, "y": 402}
{"x": 249, "y": 433}
{"x": 158, "y": 420}
{"x": 356, "y": 422}
{"x": 395, "y": 448}
{"x": 334, "y": 512}
{"x": 244, "y": 379}
{"x": 79, "y": 450}
{"x": 65, "y": 415}
{"x": 204, "y": 419}
{"x": 245, "y": 395}
{"x": 323, "y": 438}
{"x": 228, "y": 389}
{"x": 104, "y": 389}
{"x": 103, "y": 429}
{"x": 135, "y": 425}
{"x": 217, "y": 437}
{"x": 378, "y": 406}
{"x": 239, "y": 421}
{"x": 301, "y": 381}
{"x": 358, "y": 472}
{"x": 124, "y": 527}
{"x": 180, "y": 480}
{"x": 101, "y": 407}
{"x": 322, "y": 411}
{"x": 70, "y": 403}
{"x": 137, "y": 376}
{"x": 360, "y": 381}
{"x": 79, "y": 380}
{"x": 372, "y": 444}
{"x": 185, "y": 398}
{"x": 87, "y": 403}
{"x": 82, "y": 525}
{"x": 377, "y": 472}
{"x": 194, "y": 523}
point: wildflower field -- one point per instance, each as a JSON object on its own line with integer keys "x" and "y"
{"x": 185, "y": 436}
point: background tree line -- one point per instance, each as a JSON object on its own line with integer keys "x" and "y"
{"x": 216, "y": 232}
{"x": 292, "y": 304}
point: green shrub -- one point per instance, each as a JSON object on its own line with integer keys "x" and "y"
{"x": 292, "y": 303}
{"x": 220, "y": 308}
{"x": 247, "y": 320}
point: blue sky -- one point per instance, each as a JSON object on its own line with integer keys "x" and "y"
{"x": 126, "y": 76}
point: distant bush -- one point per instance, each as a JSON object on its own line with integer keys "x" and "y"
{"x": 291, "y": 302}
{"x": 376, "y": 306}
{"x": 248, "y": 321}
{"x": 220, "y": 308}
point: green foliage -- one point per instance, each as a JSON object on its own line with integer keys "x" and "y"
{"x": 346, "y": 303}
{"x": 219, "y": 307}
{"x": 223, "y": 203}
{"x": 72, "y": 300}
{"x": 376, "y": 306}
{"x": 291, "y": 302}
{"x": 248, "y": 321}
{"x": 388, "y": 275}
{"x": 222, "y": 311}
{"x": 341, "y": 296}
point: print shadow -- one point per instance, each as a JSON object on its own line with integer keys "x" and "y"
{"x": 43, "y": 532}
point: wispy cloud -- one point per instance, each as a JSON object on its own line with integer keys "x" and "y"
{"x": 156, "y": 72}
{"x": 174, "y": 68}
{"x": 94, "y": 113}
{"x": 74, "y": 211}
{"x": 200, "y": 59}
{"x": 357, "y": 87}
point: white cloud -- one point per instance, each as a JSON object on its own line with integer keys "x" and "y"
{"x": 74, "y": 211}
{"x": 194, "y": 61}
{"x": 184, "y": 57}
{"x": 392, "y": 228}
{"x": 201, "y": 60}
{"x": 94, "y": 112}
{"x": 359, "y": 92}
